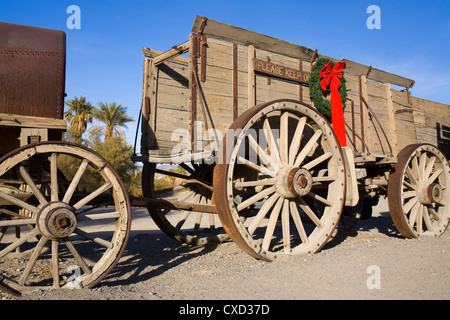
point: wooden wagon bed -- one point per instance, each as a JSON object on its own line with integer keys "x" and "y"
{"x": 230, "y": 69}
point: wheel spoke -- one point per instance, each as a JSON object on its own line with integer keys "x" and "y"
{"x": 271, "y": 142}
{"x": 419, "y": 219}
{"x": 272, "y": 223}
{"x": 409, "y": 185}
{"x": 426, "y": 218}
{"x": 318, "y": 161}
{"x": 413, "y": 215}
{"x": 298, "y": 222}
{"x": 324, "y": 179}
{"x": 251, "y": 165}
{"x": 429, "y": 168}
{"x": 36, "y": 253}
{"x": 422, "y": 163}
{"x": 302, "y": 155}
{"x": 81, "y": 263}
{"x": 262, "y": 213}
{"x": 284, "y": 135}
{"x": 183, "y": 220}
{"x": 409, "y": 194}
{"x": 32, "y": 185}
{"x": 255, "y": 183}
{"x": 433, "y": 213}
{"x": 263, "y": 156}
{"x": 94, "y": 239}
{"x": 415, "y": 167}
{"x": 18, "y": 222}
{"x": 296, "y": 140}
{"x": 286, "y": 227}
{"x": 412, "y": 178}
{"x": 19, "y": 242}
{"x": 309, "y": 212}
{"x": 55, "y": 263}
{"x": 54, "y": 176}
{"x": 93, "y": 195}
{"x": 75, "y": 181}
{"x": 409, "y": 205}
{"x": 252, "y": 200}
{"x": 320, "y": 199}
{"x": 99, "y": 216}
{"x": 434, "y": 176}
{"x": 19, "y": 202}
{"x": 198, "y": 221}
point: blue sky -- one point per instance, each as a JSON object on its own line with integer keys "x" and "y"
{"x": 104, "y": 57}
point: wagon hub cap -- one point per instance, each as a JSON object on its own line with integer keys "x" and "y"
{"x": 293, "y": 182}
{"x": 56, "y": 220}
{"x": 431, "y": 194}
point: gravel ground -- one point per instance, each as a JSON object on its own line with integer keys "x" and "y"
{"x": 371, "y": 261}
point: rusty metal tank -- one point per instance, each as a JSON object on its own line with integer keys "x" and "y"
{"x": 32, "y": 78}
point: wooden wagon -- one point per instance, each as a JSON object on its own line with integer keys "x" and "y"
{"x": 55, "y": 230}
{"x": 263, "y": 166}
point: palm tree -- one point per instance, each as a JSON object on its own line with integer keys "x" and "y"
{"x": 113, "y": 116}
{"x": 80, "y": 113}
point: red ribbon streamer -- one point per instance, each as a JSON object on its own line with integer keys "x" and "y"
{"x": 330, "y": 77}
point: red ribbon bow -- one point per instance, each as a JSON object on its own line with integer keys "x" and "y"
{"x": 330, "y": 77}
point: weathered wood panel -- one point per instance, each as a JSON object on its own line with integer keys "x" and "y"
{"x": 404, "y": 119}
{"x": 246, "y": 37}
{"x": 432, "y": 122}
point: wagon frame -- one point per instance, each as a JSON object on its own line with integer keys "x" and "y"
{"x": 231, "y": 76}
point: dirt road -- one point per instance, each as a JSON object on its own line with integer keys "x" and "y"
{"x": 372, "y": 261}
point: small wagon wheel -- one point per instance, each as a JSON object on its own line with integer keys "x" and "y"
{"x": 418, "y": 191}
{"x": 193, "y": 228}
{"x": 55, "y": 235}
{"x": 280, "y": 183}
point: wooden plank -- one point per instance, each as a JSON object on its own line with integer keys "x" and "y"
{"x": 392, "y": 127}
{"x": 365, "y": 113}
{"x": 260, "y": 41}
{"x": 251, "y": 77}
{"x": 192, "y": 89}
{"x": 151, "y": 53}
{"x": 235, "y": 82}
{"x": 13, "y": 120}
{"x": 170, "y": 54}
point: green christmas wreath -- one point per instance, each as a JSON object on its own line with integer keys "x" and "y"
{"x": 315, "y": 91}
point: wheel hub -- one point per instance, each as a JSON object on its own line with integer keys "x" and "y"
{"x": 431, "y": 194}
{"x": 293, "y": 182}
{"x": 56, "y": 220}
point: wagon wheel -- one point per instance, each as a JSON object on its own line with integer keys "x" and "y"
{"x": 53, "y": 235}
{"x": 280, "y": 195}
{"x": 418, "y": 194}
{"x": 194, "y": 228}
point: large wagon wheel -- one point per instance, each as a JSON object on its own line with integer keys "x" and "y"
{"x": 280, "y": 187}
{"x": 418, "y": 194}
{"x": 193, "y": 228}
{"x": 53, "y": 234}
